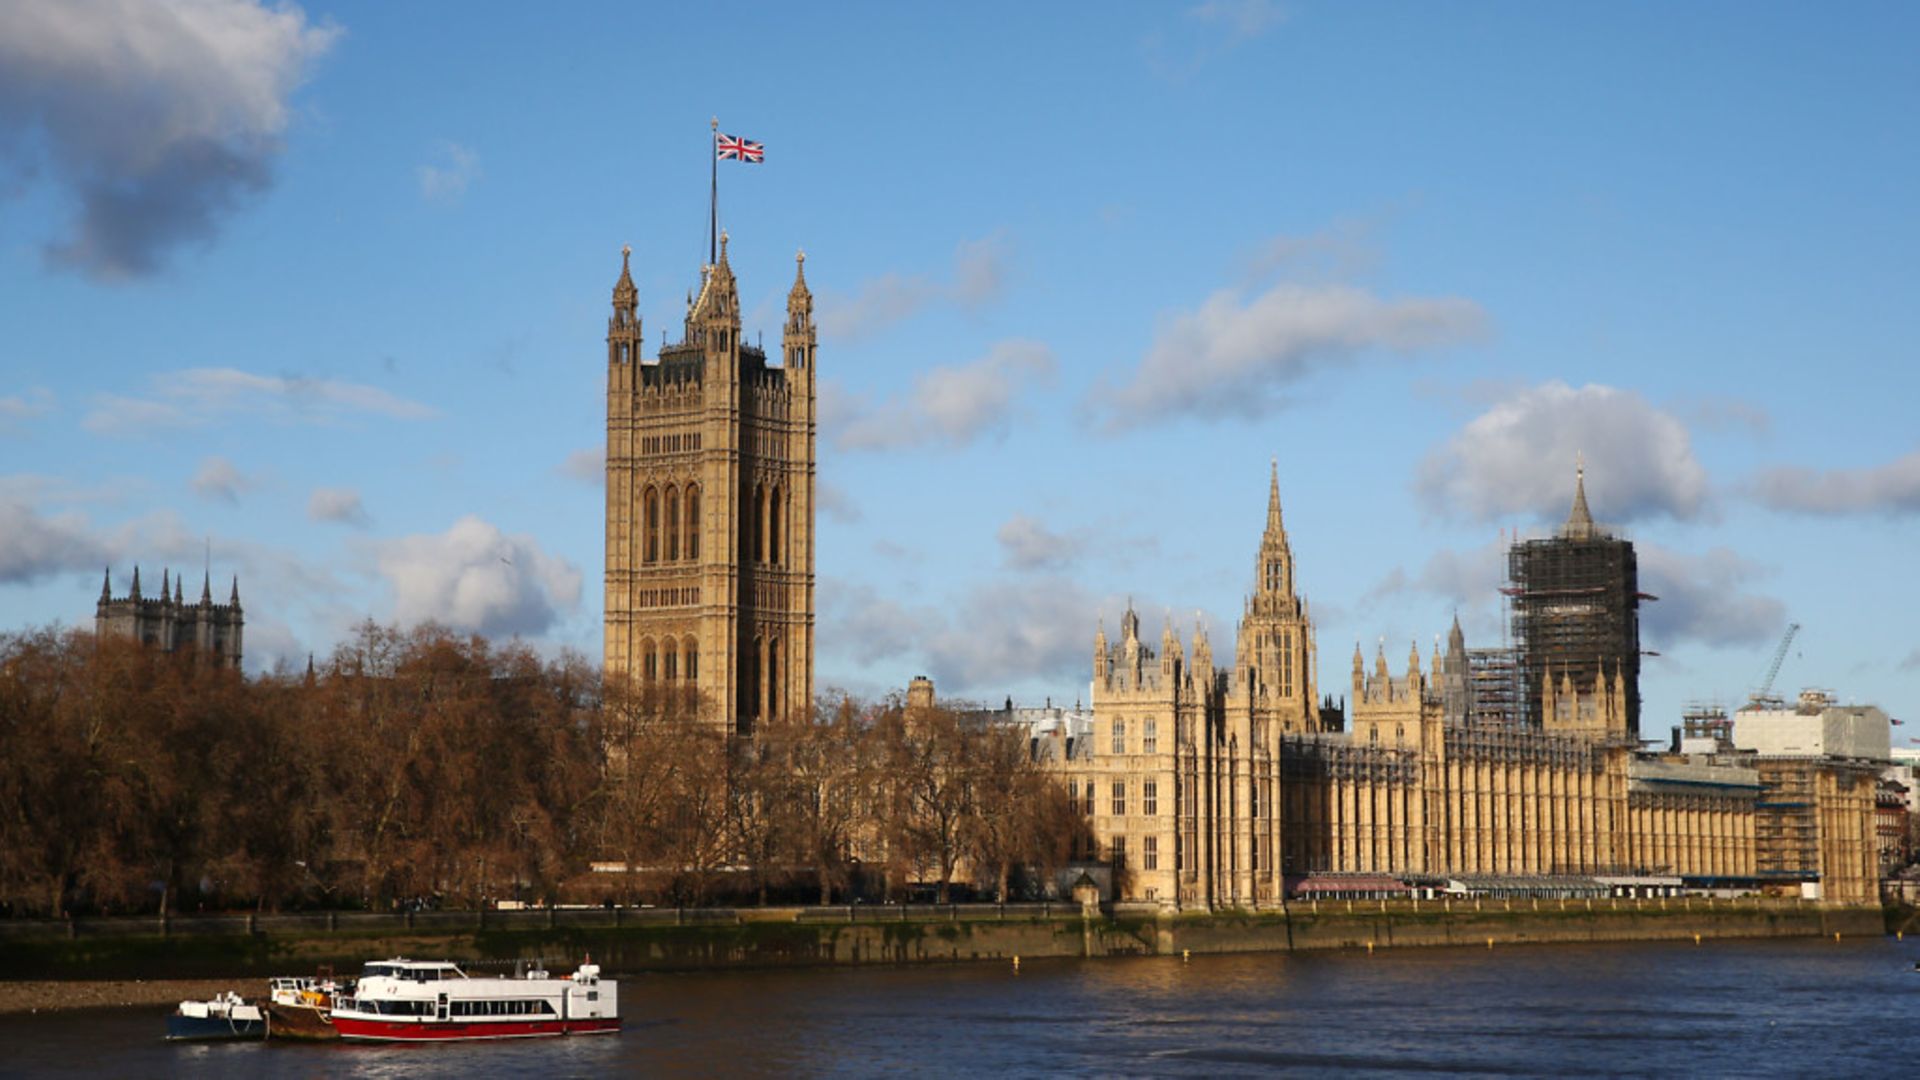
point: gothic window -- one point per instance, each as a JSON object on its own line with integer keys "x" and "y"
{"x": 671, "y": 662}
{"x": 773, "y": 679}
{"x": 673, "y": 524}
{"x": 649, "y": 660}
{"x": 1273, "y": 576}
{"x": 1256, "y": 854}
{"x": 693, "y": 521}
{"x": 1119, "y": 798}
{"x": 1149, "y": 798}
{"x": 773, "y": 525}
{"x": 1253, "y": 800}
{"x": 652, "y": 504}
{"x": 691, "y": 650}
{"x": 759, "y": 522}
{"x": 1150, "y": 853}
{"x": 1119, "y": 736}
{"x": 1119, "y": 852}
{"x": 1149, "y": 738}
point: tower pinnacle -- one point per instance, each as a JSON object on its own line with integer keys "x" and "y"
{"x": 1579, "y": 524}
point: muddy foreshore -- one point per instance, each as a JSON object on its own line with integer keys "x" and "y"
{"x": 44, "y": 995}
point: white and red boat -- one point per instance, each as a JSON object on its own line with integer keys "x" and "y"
{"x": 430, "y": 1000}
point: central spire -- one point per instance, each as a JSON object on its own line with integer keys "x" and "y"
{"x": 1276, "y": 527}
{"x": 1579, "y": 524}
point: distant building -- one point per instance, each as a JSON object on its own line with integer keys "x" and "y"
{"x": 1576, "y": 618}
{"x": 1892, "y": 826}
{"x": 169, "y": 623}
{"x": 1816, "y": 726}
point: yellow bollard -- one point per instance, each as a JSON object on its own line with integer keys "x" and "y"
{"x": 1899, "y": 935}
{"x": 1489, "y": 943}
{"x": 1369, "y": 948}
{"x": 1186, "y": 955}
{"x": 1836, "y": 935}
{"x": 1696, "y": 939}
{"x": 1016, "y": 965}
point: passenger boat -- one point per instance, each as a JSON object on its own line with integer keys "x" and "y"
{"x": 422, "y": 1001}
{"x": 228, "y": 1016}
{"x": 301, "y": 1007}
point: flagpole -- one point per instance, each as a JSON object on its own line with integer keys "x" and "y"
{"x": 713, "y": 202}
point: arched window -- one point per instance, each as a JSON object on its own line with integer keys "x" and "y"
{"x": 670, "y": 661}
{"x": 773, "y": 525}
{"x": 691, "y": 650}
{"x": 760, "y": 522}
{"x": 673, "y": 524}
{"x": 693, "y": 521}
{"x": 652, "y": 503}
{"x": 773, "y": 679}
{"x": 649, "y": 660}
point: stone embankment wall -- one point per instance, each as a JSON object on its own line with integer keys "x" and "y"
{"x": 782, "y": 937}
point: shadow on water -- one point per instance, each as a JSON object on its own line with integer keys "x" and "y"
{"x": 1730, "y": 1008}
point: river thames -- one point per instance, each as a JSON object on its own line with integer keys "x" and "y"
{"x": 1777, "y": 1008}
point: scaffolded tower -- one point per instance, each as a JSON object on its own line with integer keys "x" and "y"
{"x": 1575, "y": 601}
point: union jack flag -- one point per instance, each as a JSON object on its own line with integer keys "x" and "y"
{"x": 738, "y": 149}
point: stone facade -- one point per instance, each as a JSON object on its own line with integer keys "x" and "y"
{"x": 168, "y": 622}
{"x": 710, "y": 495}
{"x": 1210, "y": 788}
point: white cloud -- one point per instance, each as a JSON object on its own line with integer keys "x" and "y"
{"x": 158, "y": 119}
{"x": 833, "y": 501}
{"x": 1241, "y": 19}
{"x": 447, "y": 181}
{"x": 1207, "y": 32}
{"x": 34, "y": 546}
{"x": 16, "y": 409}
{"x": 196, "y": 396}
{"x": 1340, "y": 250}
{"x": 475, "y": 578}
{"x": 1235, "y": 355}
{"x": 339, "y": 505}
{"x": 952, "y": 405}
{"x": 1027, "y": 544}
{"x": 589, "y": 466}
{"x": 219, "y": 480}
{"x": 1703, "y": 599}
{"x": 1890, "y": 489}
{"x": 978, "y": 276}
{"x": 1518, "y": 458}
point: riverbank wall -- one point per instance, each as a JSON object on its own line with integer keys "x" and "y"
{"x": 628, "y": 941}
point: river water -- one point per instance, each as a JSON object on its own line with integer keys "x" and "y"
{"x": 1763, "y": 1008}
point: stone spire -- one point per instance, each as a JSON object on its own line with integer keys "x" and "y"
{"x": 106, "y": 585}
{"x": 206, "y": 589}
{"x": 135, "y": 594}
{"x": 1456, "y": 639}
{"x": 177, "y": 602}
{"x": 235, "y": 600}
{"x": 798, "y": 336}
{"x": 165, "y": 589}
{"x": 626, "y": 296}
{"x": 1579, "y": 524}
{"x": 1273, "y": 576}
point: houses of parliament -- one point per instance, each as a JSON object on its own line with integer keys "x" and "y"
{"x": 1209, "y": 785}
{"x": 710, "y": 483}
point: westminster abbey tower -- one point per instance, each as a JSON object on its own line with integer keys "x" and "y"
{"x": 710, "y": 474}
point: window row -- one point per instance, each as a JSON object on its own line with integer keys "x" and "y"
{"x": 533, "y": 1007}
{"x": 670, "y": 534}
{"x": 669, "y": 444}
{"x": 763, "y": 515}
{"x": 654, "y": 598}
{"x": 670, "y": 659}
{"x": 1149, "y": 736}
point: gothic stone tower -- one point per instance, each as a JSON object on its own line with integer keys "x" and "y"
{"x": 169, "y": 622}
{"x": 710, "y": 472}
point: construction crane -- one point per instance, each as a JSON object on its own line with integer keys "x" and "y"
{"x": 1764, "y": 696}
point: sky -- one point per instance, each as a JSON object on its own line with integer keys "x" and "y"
{"x": 315, "y": 295}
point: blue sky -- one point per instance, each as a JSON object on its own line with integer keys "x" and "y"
{"x": 325, "y": 286}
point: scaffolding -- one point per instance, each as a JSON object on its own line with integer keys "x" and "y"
{"x": 1575, "y": 601}
{"x": 1786, "y": 823}
{"x": 1497, "y": 698}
